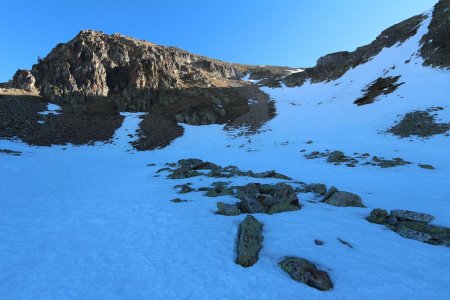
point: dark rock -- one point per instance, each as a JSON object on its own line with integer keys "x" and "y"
{"x": 381, "y": 86}
{"x": 345, "y": 243}
{"x": 428, "y": 167}
{"x": 304, "y": 271}
{"x": 436, "y": 43}
{"x": 185, "y": 188}
{"x": 420, "y": 123}
{"x": 318, "y": 242}
{"x": 249, "y": 241}
{"x": 178, "y": 200}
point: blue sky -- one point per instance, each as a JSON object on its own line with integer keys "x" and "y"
{"x": 282, "y": 32}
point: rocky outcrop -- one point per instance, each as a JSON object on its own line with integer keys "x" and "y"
{"x": 249, "y": 241}
{"x": 302, "y": 270}
{"x": 95, "y": 64}
{"x": 24, "y": 80}
{"x": 435, "y": 48}
{"x": 411, "y": 225}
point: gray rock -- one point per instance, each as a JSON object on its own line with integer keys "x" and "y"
{"x": 413, "y": 234}
{"x": 412, "y": 216}
{"x": 228, "y": 209}
{"x": 344, "y": 199}
{"x": 249, "y": 241}
{"x": 304, "y": 271}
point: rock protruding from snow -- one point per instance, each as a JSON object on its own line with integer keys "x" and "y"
{"x": 412, "y": 225}
{"x": 408, "y": 215}
{"x": 268, "y": 198}
{"x": 249, "y": 242}
{"x": 436, "y": 43}
{"x": 302, "y": 270}
{"x": 342, "y": 199}
{"x": 228, "y": 209}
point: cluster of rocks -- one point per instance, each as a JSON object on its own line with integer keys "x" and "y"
{"x": 419, "y": 123}
{"x": 249, "y": 244}
{"x": 338, "y": 158}
{"x": 412, "y": 225}
{"x": 262, "y": 198}
{"x": 192, "y": 167}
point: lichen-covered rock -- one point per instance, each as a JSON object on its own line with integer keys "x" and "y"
{"x": 249, "y": 241}
{"x": 304, "y": 271}
{"x": 378, "y": 216}
{"x": 412, "y": 216}
{"x": 228, "y": 209}
{"x": 344, "y": 199}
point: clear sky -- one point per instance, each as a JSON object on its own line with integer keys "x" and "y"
{"x": 278, "y": 32}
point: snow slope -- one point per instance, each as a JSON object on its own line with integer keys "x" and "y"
{"x": 93, "y": 222}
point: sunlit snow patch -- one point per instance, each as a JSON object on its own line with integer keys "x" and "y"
{"x": 52, "y": 109}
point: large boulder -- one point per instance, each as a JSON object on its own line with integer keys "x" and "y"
{"x": 304, "y": 271}
{"x": 249, "y": 241}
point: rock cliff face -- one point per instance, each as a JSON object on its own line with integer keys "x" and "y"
{"x": 436, "y": 43}
{"x": 130, "y": 72}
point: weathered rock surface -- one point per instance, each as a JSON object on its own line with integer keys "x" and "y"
{"x": 344, "y": 199}
{"x": 412, "y": 216}
{"x": 412, "y": 225}
{"x": 304, "y": 271}
{"x": 249, "y": 241}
